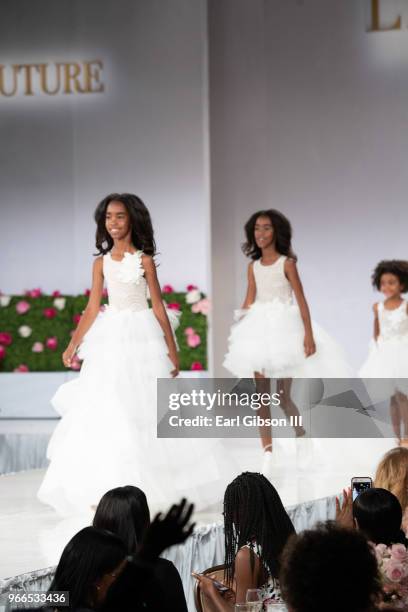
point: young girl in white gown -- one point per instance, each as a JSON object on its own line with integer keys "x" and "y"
{"x": 107, "y": 435}
{"x": 388, "y": 351}
{"x": 274, "y": 336}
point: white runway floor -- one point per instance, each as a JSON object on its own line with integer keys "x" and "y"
{"x": 32, "y": 536}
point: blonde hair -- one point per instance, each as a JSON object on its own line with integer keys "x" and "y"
{"x": 392, "y": 474}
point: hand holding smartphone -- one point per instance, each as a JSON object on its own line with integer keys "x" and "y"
{"x": 360, "y": 484}
{"x": 218, "y": 585}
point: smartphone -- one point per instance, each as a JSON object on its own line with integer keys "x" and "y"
{"x": 360, "y": 484}
{"x": 221, "y": 587}
{"x": 218, "y": 585}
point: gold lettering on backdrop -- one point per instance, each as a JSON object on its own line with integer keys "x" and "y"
{"x": 45, "y": 76}
{"x": 93, "y": 75}
{"x": 375, "y": 19}
{"x": 3, "y": 90}
{"x": 50, "y": 79}
{"x": 72, "y": 72}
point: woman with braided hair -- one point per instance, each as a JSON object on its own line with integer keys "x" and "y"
{"x": 256, "y": 527}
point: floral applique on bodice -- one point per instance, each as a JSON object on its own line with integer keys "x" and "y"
{"x": 393, "y": 323}
{"x": 126, "y": 284}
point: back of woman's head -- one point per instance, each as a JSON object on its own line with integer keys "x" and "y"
{"x": 392, "y": 474}
{"x": 87, "y": 557}
{"x": 379, "y": 515}
{"x": 329, "y": 569}
{"x": 124, "y": 511}
{"x": 254, "y": 515}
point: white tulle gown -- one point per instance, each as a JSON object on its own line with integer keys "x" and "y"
{"x": 107, "y": 435}
{"x": 388, "y": 356}
{"x": 269, "y": 336}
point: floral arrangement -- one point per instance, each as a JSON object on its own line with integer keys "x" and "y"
{"x": 35, "y": 328}
{"x": 393, "y": 565}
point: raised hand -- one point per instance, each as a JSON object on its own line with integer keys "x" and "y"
{"x": 173, "y": 528}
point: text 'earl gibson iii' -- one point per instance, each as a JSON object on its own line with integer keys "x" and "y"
{"x": 50, "y": 79}
{"x": 237, "y": 421}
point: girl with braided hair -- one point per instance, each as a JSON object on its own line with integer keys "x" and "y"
{"x": 256, "y": 527}
{"x": 388, "y": 353}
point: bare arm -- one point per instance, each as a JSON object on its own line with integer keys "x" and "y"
{"x": 376, "y": 322}
{"x": 251, "y": 291}
{"x": 292, "y": 275}
{"x": 90, "y": 313}
{"x": 244, "y": 579}
{"x": 159, "y": 309}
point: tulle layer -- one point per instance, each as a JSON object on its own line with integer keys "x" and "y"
{"x": 108, "y": 434}
{"x": 269, "y": 339}
{"x": 387, "y": 359}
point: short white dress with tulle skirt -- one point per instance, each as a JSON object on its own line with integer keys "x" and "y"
{"x": 388, "y": 355}
{"x": 107, "y": 436}
{"x": 269, "y": 336}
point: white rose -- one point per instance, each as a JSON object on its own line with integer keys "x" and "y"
{"x": 5, "y": 300}
{"x": 25, "y": 331}
{"x": 193, "y": 296}
{"x": 59, "y": 303}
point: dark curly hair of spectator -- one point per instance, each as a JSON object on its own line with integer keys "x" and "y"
{"x": 330, "y": 569}
{"x": 398, "y": 267}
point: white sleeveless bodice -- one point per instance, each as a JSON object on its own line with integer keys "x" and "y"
{"x": 393, "y": 323}
{"x": 271, "y": 282}
{"x": 126, "y": 284}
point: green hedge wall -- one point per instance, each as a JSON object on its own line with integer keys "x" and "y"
{"x": 19, "y": 352}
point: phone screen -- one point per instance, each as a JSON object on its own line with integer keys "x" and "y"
{"x": 360, "y": 485}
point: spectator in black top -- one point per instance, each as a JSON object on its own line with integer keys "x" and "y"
{"x": 378, "y": 514}
{"x": 125, "y": 512}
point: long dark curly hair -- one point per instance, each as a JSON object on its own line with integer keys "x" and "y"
{"x": 398, "y": 267}
{"x": 254, "y": 515}
{"x": 140, "y": 221}
{"x": 282, "y": 230}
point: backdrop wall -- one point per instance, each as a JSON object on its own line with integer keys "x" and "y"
{"x": 309, "y": 115}
{"x": 146, "y": 133}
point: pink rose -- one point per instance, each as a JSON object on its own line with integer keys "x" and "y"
{"x": 191, "y": 287}
{"x": 193, "y": 340}
{"x": 75, "y": 363}
{"x": 87, "y": 292}
{"x": 22, "y": 307}
{"x": 394, "y": 571}
{"x": 76, "y": 318}
{"x": 34, "y": 293}
{"x": 51, "y": 343}
{"x": 49, "y": 313}
{"x": 38, "y": 347}
{"x": 56, "y": 293}
{"x": 2, "y": 352}
{"x": 104, "y": 292}
{"x": 174, "y": 306}
{"x": 380, "y": 549}
{"x": 188, "y": 331}
{"x": 398, "y": 551}
{"x": 202, "y": 306}
{"x": 196, "y": 365}
{"x": 22, "y": 368}
{"x": 5, "y": 338}
{"x": 167, "y": 289}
